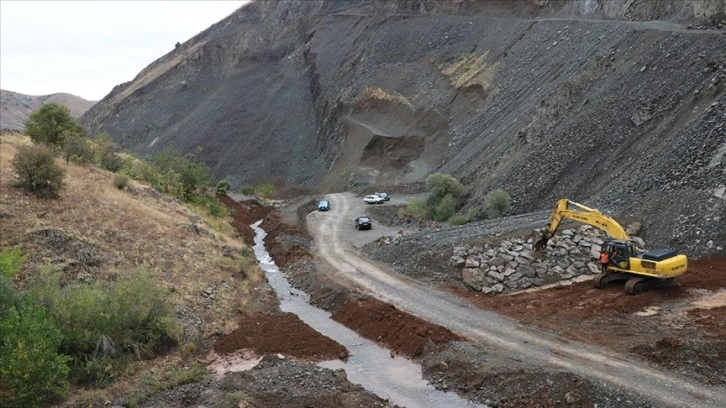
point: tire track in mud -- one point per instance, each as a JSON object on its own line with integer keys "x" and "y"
{"x": 497, "y": 332}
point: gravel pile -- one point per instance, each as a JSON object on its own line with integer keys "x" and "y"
{"x": 268, "y": 384}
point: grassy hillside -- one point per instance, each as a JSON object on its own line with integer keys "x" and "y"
{"x": 97, "y": 234}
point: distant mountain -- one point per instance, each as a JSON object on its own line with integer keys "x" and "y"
{"x": 15, "y": 107}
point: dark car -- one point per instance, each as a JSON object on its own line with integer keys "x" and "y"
{"x": 324, "y": 205}
{"x": 363, "y": 223}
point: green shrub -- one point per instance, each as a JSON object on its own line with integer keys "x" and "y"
{"x": 141, "y": 171}
{"x": 247, "y": 190}
{"x": 223, "y": 187}
{"x": 446, "y": 208}
{"x": 265, "y": 190}
{"x": 216, "y": 208}
{"x": 51, "y": 125}
{"x": 78, "y": 149}
{"x": 11, "y": 260}
{"x": 37, "y": 171}
{"x": 9, "y": 297}
{"x": 104, "y": 325}
{"x": 112, "y": 162}
{"x": 103, "y": 144}
{"x": 497, "y": 203}
{"x": 442, "y": 185}
{"x": 459, "y": 219}
{"x": 183, "y": 178}
{"x": 31, "y": 370}
{"x": 120, "y": 180}
{"x": 417, "y": 209}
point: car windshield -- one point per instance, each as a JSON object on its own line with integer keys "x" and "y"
{"x": 323, "y": 203}
{"x": 363, "y": 219}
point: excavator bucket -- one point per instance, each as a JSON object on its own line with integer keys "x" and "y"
{"x": 539, "y": 240}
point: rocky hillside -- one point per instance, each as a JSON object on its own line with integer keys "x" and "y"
{"x": 617, "y": 104}
{"x": 15, "y": 107}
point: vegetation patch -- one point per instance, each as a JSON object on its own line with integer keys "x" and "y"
{"x": 470, "y": 71}
{"x": 104, "y": 325}
{"x": 375, "y": 93}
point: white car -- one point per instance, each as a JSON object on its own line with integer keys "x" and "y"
{"x": 383, "y": 195}
{"x": 373, "y": 199}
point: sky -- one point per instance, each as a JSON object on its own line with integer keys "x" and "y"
{"x": 86, "y": 48}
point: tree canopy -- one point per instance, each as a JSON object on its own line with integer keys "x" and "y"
{"x": 52, "y": 124}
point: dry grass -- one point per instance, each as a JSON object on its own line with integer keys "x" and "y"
{"x": 472, "y": 70}
{"x": 374, "y": 93}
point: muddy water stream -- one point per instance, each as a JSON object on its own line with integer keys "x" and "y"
{"x": 396, "y": 379}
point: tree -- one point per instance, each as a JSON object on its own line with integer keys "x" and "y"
{"x": 442, "y": 185}
{"x": 37, "y": 171}
{"x": 78, "y": 149}
{"x": 497, "y": 203}
{"x": 52, "y": 124}
{"x": 180, "y": 176}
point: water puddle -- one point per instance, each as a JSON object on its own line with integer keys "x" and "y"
{"x": 242, "y": 360}
{"x": 369, "y": 365}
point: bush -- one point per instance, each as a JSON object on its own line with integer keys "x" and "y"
{"x": 446, "y": 208}
{"x": 180, "y": 176}
{"x": 223, "y": 187}
{"x": 120, "y": 181}
{"x": 31, "y": 370}
{"x": 11, "y": 260}
{"x": 459, "y": 219}
{"x": 9, "y": 297}
{"x": 442, "y": 185}
{"x": 112, "y": 162}
{"x": 247, "y": 190}
{"x": 37, "y": 171}
{"x": 266, "y": 190}
{"x": 417, "y": 209}
{"x": 104, "y": 325}
{"x": 78, "y": 149}
{"x": 216, "y": 208}
{"x": 141, "y": 171}
{"x": 497, "y": 203}
{"x": 51, "y": 125}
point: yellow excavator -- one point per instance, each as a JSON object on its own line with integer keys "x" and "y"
{"x": 641, "y": 272}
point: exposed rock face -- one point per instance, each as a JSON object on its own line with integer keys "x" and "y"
{"x": 16, "y": 107}
{"x": 545, "y": 99}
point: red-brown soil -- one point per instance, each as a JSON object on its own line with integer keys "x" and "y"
{"x": 282, "y": 333}
{"x": 244, "y": 214}
{"x": 566, "y": 307}
{"x": 284, "y": 241}
{"x": 396, "y": 330}
{"x": 667, "y": 326}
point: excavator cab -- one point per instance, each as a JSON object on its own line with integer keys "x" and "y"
{"x": 619, "y": 253}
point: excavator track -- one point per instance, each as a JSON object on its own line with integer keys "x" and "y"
{"x": 640, "y": 284}
{"x": 601, "y": 280}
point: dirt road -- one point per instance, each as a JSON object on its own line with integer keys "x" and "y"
{"x": 333, "y": 232}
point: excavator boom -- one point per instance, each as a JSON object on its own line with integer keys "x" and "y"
{"x": 586, "y": 215}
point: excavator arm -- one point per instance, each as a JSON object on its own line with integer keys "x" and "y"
{"x": 578, "y": 212}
